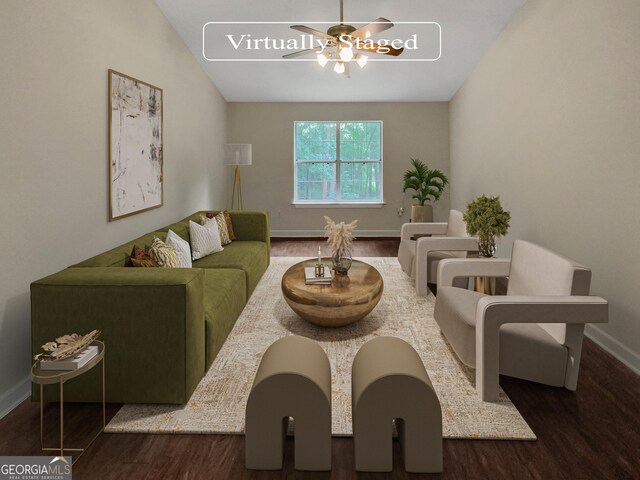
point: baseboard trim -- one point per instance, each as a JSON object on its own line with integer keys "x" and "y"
{"x": 320, "y": 233}
{"x": 621, "y": 352}
{"x": 15, "y": 396}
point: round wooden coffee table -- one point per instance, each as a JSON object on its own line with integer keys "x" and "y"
{"x": 346, "y": 300}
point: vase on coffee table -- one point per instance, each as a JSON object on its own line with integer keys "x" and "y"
{"x": 342, "y": 261}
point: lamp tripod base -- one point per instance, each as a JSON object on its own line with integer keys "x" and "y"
{"x": 237, "y": 189}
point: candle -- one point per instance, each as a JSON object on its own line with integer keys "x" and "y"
{"x": 319, "y": 256}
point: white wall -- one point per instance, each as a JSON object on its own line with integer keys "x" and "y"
{"x": 550, "y": 121}
{"x": 53, "y": 144}
{"x": 419, "y": 130}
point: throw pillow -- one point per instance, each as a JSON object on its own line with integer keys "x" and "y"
{"x": 182, "y": 248}
{"x": 227, "y": 218}
{"x": 163, "y": 254}
{"x": 205, "y": 239}
{"x": 222, "y": 227}
{"x": 139, "y": 258}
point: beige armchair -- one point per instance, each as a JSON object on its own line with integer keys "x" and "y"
{"x": 419, "y": 258}
{"x": 534, "y": 332}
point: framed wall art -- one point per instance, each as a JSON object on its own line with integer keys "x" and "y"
{"x": 135, "y": 146}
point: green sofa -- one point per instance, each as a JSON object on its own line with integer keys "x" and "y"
{"x": 162, "y": 327}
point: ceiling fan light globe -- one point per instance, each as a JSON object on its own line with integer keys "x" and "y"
{"x": 346, "y": 54}
{"x": 323, "y": 59}
{"x": 339, "y": 67}
{"x": 361, "y": 60}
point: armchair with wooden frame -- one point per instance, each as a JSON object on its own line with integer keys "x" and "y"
{"x": 419, "y": 258}
{"x": 534, "y": 332}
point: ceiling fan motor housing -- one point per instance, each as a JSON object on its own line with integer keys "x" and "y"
{"x": 341, "y": 29}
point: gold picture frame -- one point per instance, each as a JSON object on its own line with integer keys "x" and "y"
{"x": 136, "y": 137}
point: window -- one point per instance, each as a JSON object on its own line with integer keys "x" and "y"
{"x": 338, "y": 162}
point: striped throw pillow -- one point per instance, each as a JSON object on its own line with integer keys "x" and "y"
{"x": 222, "y": 226}
{"x": 227, "y": 217}
{"x": 163, "y": 254}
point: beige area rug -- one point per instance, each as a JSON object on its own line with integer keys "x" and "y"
{"x": 218, "y": 403}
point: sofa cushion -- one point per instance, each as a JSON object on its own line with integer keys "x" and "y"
{"x": 224, "y": 298}
{"x": 119, "y": 256}
{"x": 250, "y": 256}
{"x": 526, "y": 350}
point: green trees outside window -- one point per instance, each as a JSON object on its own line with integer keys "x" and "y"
{"x": 338, "y": 162}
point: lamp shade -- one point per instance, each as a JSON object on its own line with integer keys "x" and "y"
{"x": 237, "y": 154}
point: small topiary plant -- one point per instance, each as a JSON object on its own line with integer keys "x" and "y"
{"x": 486, "y": 218}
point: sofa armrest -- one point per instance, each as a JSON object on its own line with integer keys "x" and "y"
{"x": 425, "y": 245}
{"x": 422, "y": 228}
{"x": 494, "y": 311}
{"x": 152, "y": 324}
{"x": 450, "y": 268}
{"x": 251, "y": 225}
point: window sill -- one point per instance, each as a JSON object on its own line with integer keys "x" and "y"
{"x": 338, "y": 204}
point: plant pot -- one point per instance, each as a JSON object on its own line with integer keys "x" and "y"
{"x": 421, "y": 213}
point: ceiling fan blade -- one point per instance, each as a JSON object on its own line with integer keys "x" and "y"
{"x": 369, "y": 30}
{"x": 302, "y": 52}
{"x": 377, "y": 48}
{"x": 317, "y": 33}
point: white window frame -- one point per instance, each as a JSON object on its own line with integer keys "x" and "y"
{"x": 339, "y": 202}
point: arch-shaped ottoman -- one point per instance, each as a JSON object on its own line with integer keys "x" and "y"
{"x": 389, "y": 382}
{"x": 293, "y": 380}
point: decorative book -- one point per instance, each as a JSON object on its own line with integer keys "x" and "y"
{"x": 73, "y": 363}
{"x": 311, "y": 279}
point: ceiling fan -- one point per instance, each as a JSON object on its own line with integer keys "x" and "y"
{"x": 341, "y": 40}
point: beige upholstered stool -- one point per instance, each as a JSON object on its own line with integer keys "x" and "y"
{"x": 389, "y": 382}
{"x": 293, "y": 380}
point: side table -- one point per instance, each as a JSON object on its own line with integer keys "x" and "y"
{"x": 49, "y": 377}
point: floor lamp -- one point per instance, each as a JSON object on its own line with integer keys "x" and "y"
{"x": 236, "y": 154}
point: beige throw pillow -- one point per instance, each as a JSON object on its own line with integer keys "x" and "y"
{"x": 182, "y": 248}
{"x": 205, "y": 239}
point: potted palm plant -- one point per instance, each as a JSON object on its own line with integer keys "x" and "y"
{"x": 486, "y": 218}
{"x": 428, "y": 185}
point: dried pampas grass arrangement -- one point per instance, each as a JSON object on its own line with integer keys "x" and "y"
{"x": 66, "y": 346}
{"x": 339, "y": 235}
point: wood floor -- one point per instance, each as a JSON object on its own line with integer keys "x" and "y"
{"x": 593, "y": 433}
{"x": 308, "y": 247}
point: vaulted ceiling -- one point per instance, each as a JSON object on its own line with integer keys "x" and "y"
{"x": 468, "y": 27}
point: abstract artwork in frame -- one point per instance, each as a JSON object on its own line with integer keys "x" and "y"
{"x": 135, "y": 146}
